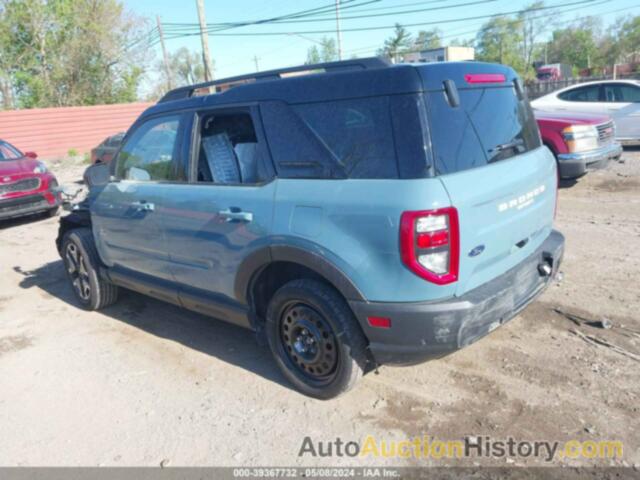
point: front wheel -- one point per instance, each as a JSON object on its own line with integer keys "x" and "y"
{"x": 81, "y": 262}
{"x": 315, "y": 339}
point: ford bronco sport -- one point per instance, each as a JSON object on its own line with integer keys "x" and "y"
{"x": 354, "y": 213}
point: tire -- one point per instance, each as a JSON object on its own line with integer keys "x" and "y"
{"x": 81, "y": 263}
{"x": 53, "y": 212}
{"x": 315, "y": 339}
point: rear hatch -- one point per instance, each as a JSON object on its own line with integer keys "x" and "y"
{"x": 488, "y": 155}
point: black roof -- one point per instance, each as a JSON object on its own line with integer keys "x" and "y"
{"x": 333, "y": 81}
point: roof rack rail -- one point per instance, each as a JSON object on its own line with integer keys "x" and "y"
{"x": 357, "y": 64}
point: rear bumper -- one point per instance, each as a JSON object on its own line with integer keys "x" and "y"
{"x": 423, "y": 331}
{"x": 574, "y": 165}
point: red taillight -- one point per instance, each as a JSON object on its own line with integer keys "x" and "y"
{"x": 430, "y": 244}
{"x": 435, "y": 239}
{"x": 485, "y": 78}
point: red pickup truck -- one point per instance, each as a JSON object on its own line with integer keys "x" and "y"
{"x": 580, "y": 142}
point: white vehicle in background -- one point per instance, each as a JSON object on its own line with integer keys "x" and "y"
{"x": 619, "y": 99}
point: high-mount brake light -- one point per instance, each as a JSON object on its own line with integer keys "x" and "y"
{"x": 379, "y": 322}
{"x": 430, "y": 244}
{"x": 485, "y": 78}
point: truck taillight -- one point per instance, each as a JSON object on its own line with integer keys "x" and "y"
{"x": 430, "y": 244}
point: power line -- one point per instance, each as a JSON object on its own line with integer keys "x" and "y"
{"x": 401, "y": 5}
{"x": 304, "y": 18}
{"x": 447, "y": 36}
{"x": 458, "y": 33}
{"x": 374, "y": 15}
{"x": 386, "y": 27}
{"x": 300, "y": 14}
{"x": 372, "y": 48}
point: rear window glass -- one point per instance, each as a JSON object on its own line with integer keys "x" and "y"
{"x": 358, "y": 134}
{"x": 489, "y": 125}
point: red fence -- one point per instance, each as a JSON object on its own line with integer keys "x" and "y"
{"x": 52, "y": 132}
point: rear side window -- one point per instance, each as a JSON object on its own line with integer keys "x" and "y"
{"x": 372, "y": 138}
{"x": 590, "y": 93}
{"x": 620, "y": 92}
{"x": 489, "y": 125}
{"x": 357, "y": 133}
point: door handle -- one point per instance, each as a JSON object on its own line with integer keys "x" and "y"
{"x": 236, "y": 215}
{"x": 143, "y": 206}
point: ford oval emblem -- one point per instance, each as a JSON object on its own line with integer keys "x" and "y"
{"x": 476, "y": 251}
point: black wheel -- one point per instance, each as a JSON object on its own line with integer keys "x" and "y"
{"x": 81, "y": 263}
{"x": 52, "y": 212}
{"x": 315, "y": 338}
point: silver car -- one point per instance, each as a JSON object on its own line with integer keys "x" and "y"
{"x": 619, "y": 99}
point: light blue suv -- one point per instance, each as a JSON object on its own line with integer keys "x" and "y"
{"x": 355, "y": 213}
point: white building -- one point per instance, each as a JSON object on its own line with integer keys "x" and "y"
{"x": 443, "y": 54}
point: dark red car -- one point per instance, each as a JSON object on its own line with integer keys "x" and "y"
{"x": 580, "y": 142}
{"x": 104, "y": 152}
{"x": 26, "y": 186}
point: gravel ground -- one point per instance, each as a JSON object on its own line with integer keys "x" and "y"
{"x": 144, "y": 382}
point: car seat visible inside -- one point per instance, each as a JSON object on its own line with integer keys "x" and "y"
{"x": 228, "y": 149}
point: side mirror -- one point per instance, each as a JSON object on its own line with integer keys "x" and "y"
{"x": 97, "y": 175}
{"x": 33, "y": 155}
{"x": 138, "y": 174}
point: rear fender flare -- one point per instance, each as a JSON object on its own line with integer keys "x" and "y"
{"x": 258, "y": 260}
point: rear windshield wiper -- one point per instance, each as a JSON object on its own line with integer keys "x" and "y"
{"x": 516, "y": 145}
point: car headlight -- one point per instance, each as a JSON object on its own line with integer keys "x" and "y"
{"x": 40, "y": 168}
{"x": 581, "y": 138}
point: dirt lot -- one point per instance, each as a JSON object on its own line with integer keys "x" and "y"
{"x": 144, "y": 382}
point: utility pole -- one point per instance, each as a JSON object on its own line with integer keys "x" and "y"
{"x": 338, "y": 33}
{"x": 167, "y": 67}
{"x": 255, "y": 60}
{"x": 204, "y": 36}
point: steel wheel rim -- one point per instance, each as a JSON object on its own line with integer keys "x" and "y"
{"x": 77, "y": 271}
{"x": 308, "y": 342}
